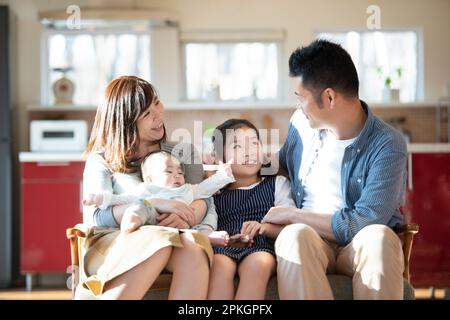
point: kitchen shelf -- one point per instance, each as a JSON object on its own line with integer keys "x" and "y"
{"x": 238, "y": 105}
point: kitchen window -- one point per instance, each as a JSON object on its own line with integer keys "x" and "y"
{"x": 220, "y": 69}
{"x": 91, "y": 59}
{"x": 384, "y": 59}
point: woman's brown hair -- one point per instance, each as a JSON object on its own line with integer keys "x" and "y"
{"x": 115, "y": 133}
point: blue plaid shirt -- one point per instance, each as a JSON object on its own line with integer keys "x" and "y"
{"x": 373, "y": 174}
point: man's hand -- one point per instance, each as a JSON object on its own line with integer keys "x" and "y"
{"x": 280, "y": 215}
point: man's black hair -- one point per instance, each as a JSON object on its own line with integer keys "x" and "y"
{"x": 324, "y": 64}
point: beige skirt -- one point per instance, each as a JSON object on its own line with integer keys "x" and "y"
{"x": 105, "y": 256}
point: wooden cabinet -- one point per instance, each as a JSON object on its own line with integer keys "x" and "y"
{"x": 428, "y": 204}
{"x": 50, "y": 202}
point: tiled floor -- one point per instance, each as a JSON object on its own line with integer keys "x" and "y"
{"x": 64, "y": 294}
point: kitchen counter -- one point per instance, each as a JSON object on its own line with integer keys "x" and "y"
{"x": 50, "y": 156}
{"x": 429, "y": 147}
{"x": 66, "y": 157}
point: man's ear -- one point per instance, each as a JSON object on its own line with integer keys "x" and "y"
{"x": 330, "y": 97}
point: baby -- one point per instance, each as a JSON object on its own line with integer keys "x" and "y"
{"x": 164, "y": 179}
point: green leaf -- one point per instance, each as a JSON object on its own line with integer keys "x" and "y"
{"x": 387, "y": 82}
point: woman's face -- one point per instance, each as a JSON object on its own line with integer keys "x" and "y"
{"x": 150, "y": 123}
{"x": 244, "y": 147}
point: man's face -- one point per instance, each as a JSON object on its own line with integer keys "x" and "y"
{"x": 316, "y": 115}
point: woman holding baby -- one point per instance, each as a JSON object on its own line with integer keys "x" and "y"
{"x": 128, "y": 126}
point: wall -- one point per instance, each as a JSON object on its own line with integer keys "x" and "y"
{"x": 299, "y": 18}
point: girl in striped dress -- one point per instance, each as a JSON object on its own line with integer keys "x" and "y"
{"x": 240, "y": 208}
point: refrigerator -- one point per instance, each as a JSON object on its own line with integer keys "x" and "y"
{"x": 6, "y": 226}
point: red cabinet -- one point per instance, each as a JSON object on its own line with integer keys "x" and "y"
{"x": 51, "y": 202}
{"x": 428, "y": 204}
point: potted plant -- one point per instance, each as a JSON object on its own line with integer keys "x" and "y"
{"x": 391, "y": 93}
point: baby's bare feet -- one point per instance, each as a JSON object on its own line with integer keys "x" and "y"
{"x": 240, "y": 241}
{"x": 93, "y": 199}
{"x": 219, "y": 238}
{"x": 130, "y": 222}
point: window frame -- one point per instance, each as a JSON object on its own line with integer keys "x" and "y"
{"x": 420, "y": 82}
{"x": 45, "y": 89}
{"x": 233, "y": 37}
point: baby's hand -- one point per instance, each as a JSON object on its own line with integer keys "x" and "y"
{"x": 226, "y": 167}
{"x": 93, "y": 199}
{"x": 130, "y": 222}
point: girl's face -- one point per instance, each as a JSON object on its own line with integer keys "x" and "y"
{"x": 150, "y": 123}
{"x": 244, "y": 147}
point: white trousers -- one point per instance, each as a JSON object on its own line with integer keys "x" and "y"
{"x": 373, "y": 259}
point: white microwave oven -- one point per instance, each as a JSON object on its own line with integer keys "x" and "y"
{"x": 58, "y": 135}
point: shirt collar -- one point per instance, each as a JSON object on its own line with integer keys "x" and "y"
{"x": 363, "y": 136}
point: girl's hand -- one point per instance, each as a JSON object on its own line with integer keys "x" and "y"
{"x": 172, "y": 220}
{"x": 226, "y": 167}
{"x": 263, "y": 229}
{"x": 250, "y": 228}
{"x": 175, "y": 207}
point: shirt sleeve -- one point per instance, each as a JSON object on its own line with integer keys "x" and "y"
{"x": 97, "y": 179}
{"x": 110, "y": 199}
{"x": 210, "y": 219}
{"x": 211, "y": 185}
{"x": 283, "y": 196}
{"x": 104, "y": 218}
{"x": 381, "y": 196}
{"x": 282, "y": 153}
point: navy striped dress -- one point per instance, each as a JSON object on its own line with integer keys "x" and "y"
{"x": 234, "y": 207}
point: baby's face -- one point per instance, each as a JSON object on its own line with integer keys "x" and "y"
{"x": 166, "y": 173}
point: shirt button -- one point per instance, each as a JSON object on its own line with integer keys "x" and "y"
{"x": 298, "y": 193}
{"x": 359, "y": 180}
{"x": 358, "y": 150}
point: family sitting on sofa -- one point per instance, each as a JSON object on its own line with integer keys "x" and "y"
{"x": 329, "y": 208}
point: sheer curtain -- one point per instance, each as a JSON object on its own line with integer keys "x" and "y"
{"x": 237, "y": 71}
{"x": 378, "y": 55}
{"x": 96, "y": 59}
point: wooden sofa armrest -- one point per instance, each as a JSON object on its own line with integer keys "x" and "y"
{"x": 407, "y": 228}
{"x": 408, "y": 231}
{"x": 79, "y": 231}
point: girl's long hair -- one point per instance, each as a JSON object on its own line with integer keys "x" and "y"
{"x": 115, "y": 133}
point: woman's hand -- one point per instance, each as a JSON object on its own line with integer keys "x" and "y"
{"x": 175, "y": 207}
{"x": 250, "y": 228}
{"x": 172, "y": 220}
